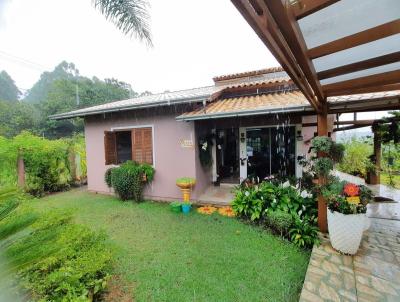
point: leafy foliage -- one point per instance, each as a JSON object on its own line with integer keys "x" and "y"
{"x": 107, "y": 176}
{"x": 47, "y": 167}
{"x": 321, "y": 144}
{"x": 304, "y": 233}
{"x": 279, "y": 221}
{"x": 54, "y": 259}
{"x": 130, "y": 16}
{"x": 127, "y": 180}
{"x": 8, "y": 90}
{"x": 273, "y": 204}
{"x": 356, "y": 157}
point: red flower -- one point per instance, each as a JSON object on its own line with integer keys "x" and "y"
{"x": 351, "y": 189}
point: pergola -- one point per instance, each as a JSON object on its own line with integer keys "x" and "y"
{"x": 331, "y": 48}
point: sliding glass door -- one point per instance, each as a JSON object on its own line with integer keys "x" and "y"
{"x": 270, "y": 151}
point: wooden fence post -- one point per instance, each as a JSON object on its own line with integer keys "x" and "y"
{"x": 21, "y": 169}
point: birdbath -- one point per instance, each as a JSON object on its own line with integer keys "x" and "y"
{"x": 186, "y": 184}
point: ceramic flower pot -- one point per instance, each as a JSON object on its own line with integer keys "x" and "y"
{"x": 186, "y": 207}
{"x": 186, "y": 185}
{"x": 345, "y": 231}
{"x": 175, "y": 207}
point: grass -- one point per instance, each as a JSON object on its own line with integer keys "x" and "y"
{"x": 166, "y": 256}
{"x": 386, "y": 181}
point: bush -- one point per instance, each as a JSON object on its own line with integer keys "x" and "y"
{"x": 279, "y": 221}
{"x": 107, "y": 177}
{"x": 304, "y": 233}
{"x": 284, "y": 208}
{"x": 127, "y": 180}
{"x": 46, "y": 162}
{"x": 356, "y": 157}
{"x": 321, "y": 144}
{"x": 54, "y": 259}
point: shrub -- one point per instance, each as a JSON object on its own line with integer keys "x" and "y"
{"x": 54, "y": 259}
{"x": 356, "y": 157}
{"x": 280, "y": 206}
{"x": 127, "y": 180}
{"x": 149, "y": 171}
{"x": 304, "y": 233}
{"x": 107, "y": 177}
{"x": 279, "y": 221}
{"x": 248, "y": 202}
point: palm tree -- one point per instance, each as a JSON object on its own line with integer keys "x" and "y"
{"x": 129, "y": 16}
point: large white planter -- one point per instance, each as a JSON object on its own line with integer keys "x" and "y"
{"x": 345, "y": 231}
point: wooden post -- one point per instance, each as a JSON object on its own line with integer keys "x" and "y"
{"x": 322, "y": 128}
{"x": 21, "y": 169}
{"x": 376, "y": 180}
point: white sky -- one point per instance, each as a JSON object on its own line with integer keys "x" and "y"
{"x": 193, "y": 41}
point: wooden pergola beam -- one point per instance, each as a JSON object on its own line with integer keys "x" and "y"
{"x": 287, "y": 24}
{"x": 363, "y": 83}
{"x": 263, "y": 24}
{"x": 362, "y": 37}
{"x": 303, "y": 8}
{"x": 361, "y": 65}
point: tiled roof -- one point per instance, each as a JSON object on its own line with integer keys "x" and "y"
{"x": 251, "y": 105}
{"x": 278, "y": 80}
{"x": 153, "y": 100}
{"x": 248, "y": 74}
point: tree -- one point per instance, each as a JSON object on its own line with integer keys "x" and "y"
{"x": 80, "y": 92}
{"x": 130, "y": 16}
{"x": 8, "y": 90}
{"x": 40, "y": 89}
{"x": 17, "y": 116}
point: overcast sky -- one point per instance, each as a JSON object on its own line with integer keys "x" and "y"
{"x": 193, "y": 41}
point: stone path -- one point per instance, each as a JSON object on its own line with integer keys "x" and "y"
{"x": 373, "y": 274}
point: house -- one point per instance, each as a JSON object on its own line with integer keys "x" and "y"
{"x": 251, "y": 124}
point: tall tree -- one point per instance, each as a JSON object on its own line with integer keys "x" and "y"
{"x": 40, "y": 89}
{"x": 130, "y": 16}
{"x": 8, "y": 90}
{"x": 70, "y": 94}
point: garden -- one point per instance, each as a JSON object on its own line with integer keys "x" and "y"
{"x": 81, "y": 246}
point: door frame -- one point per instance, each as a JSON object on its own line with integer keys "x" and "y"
{"x": 243, "y": 149}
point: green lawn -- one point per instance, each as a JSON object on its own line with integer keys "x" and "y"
{"x": 165, "y": 256}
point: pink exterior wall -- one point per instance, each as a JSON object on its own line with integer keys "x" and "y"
{"x": 171, "y": 160}
{"x": 308, "y": 132}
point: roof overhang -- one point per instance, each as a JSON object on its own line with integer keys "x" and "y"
{"x": 330, "y": 47}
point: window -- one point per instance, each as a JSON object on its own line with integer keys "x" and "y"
{"x": 136, "y": 145}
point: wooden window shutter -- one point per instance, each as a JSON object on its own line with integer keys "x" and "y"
{"x": 110, "y": 148}
{"x": 142, "y": 145}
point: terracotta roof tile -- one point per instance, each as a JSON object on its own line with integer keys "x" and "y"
{"x": 247, "y": 105}
{"x": 248, "y": 73}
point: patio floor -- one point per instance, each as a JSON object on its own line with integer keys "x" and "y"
{"x": 373, "y": 274}
{"x": 218, "y": 195}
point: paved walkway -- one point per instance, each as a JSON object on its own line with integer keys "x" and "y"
{"x": 373, "y": 274}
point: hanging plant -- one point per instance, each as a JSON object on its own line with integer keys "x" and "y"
{"x": 321, "y": 144}
{"x": 205, "y": 148}
{"x": 323, "y": 166}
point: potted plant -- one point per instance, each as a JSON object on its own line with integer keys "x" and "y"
{"x": 186, "y": 206}
{"x": 186, "y": 184}
{"x": 346, "y": 217}
{"x": 175, "y": 206}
